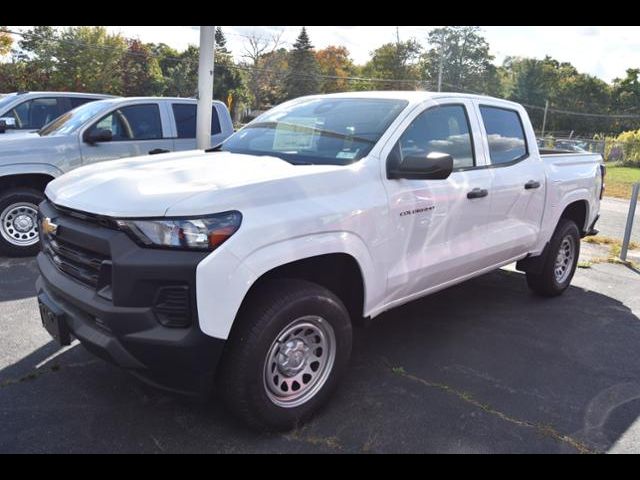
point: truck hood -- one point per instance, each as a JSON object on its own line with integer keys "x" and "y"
{"x": 151, "y": 186}
{"x": 13, "y": 134}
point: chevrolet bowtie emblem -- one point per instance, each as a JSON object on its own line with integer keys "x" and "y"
{"x": 48, "y": 227}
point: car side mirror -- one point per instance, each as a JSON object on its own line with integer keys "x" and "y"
{"x": 7, "y": 123}
{"x": 100, "y": 135}
{"x": 434, "y": 166}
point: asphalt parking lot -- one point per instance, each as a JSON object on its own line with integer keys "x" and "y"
{"x": 481, "y": 367}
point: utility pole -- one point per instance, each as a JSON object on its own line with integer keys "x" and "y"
{"x": 544, "y": 120}
{"x": 397, "y": 35}
{"x": 440, "y": 69}
{"x": 205, "y": 87}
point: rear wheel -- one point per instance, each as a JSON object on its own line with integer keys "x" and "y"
{"x": 561, "y": 262}
{"x": 19, "y": 222}
{"x": 286, "y": 354}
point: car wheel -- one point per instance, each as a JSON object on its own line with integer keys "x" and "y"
{"x": 560, "y": 263}
{"x": 19, "y": 222}
{"x": 285, "y": 355}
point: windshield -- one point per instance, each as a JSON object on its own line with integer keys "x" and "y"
{"x": 323, "y": 131}
{"x": 71, "y": 121}
{"x": 4, "y": 101}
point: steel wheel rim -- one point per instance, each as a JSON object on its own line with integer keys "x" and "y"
{"x": 19, "y": 224}
{"x": 299, "y": 361}
{"x": 565, "y": 258}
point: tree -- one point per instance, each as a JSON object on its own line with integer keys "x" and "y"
{"x": 165, "y": 55}
{"x": 266, "y": 64}
{"x": 181, "y": 76}
{"x": 5, "y": 41}
{"x": 229, "y": 82}
{"x": 461, "y": 53}
{"x": 626, "y": 98}
{"x": 335, "y": 62}
{"x": 37, "y": 50}
{"x": 140, "y": 70}
{"x": 302, "y": 76}
{"x": 221, "y": 41}
{"x": 395, "y": 61}
{"x": 89, "y": 59}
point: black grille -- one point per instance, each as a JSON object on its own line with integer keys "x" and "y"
{"x": 79, "y": 263}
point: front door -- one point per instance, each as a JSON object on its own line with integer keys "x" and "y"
{"x": 136, "y": 130}
{"x": 438, "y": 226}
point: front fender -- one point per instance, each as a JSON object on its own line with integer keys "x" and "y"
{"x": 30, "y": 169}
{"x": 223, "y": 280}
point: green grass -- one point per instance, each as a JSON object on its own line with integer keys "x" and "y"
{"x": 619, "y": 181}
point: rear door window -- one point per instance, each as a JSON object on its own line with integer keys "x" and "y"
{"x": 505, "y": 133}
{"x": 185, "y": 115}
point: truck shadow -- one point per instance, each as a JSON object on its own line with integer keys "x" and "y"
{"x": 481, "y": 367}
{"x": 17, "y": 278}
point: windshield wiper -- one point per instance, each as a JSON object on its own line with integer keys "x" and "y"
{"x": 217, "y": 148}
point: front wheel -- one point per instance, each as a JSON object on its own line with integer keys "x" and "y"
{"x": 286, "y": 355}
{"x": 19, "y": 222}
{"x": 561, "y": 262}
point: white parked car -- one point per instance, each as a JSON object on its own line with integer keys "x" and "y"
{"x": 23, "y": 112}
{"x": 246, "y": 267}
{"x": 95, "y": 132}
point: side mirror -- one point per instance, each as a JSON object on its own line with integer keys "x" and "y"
{"x": 7, "y": 123}
{"x": 435, "y": 166}
{"x": 97, "y": 136}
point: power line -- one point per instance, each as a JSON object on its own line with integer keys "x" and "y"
{"x": 253, "y": 69}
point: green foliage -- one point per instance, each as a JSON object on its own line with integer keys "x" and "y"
{"x": 140, "y": 71}
{"x": 5, "y": 42}
{"x": 336, "y": 66}
{"x": 463, "y": 54}
{"x": 630, "y": 144}
{"x": 302, "y": 77}
{"x": 91, "y": 59}
{"x": 88, "y": 59}
{"x": 396, "y": 61}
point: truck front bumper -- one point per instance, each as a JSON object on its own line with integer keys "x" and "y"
{"x": 121, "y": 322}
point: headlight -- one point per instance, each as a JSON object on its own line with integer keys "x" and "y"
{"x": 206, "y": 233}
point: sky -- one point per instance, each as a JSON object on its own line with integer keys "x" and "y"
{"x": 606, "y": 52}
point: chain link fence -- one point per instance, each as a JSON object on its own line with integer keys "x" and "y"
{"x": 613, "y": 151}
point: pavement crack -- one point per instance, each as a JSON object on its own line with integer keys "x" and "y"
{"x": 546, "y": 430}
{"x": 298, "y": 435}
{"x": 35, "y": 374}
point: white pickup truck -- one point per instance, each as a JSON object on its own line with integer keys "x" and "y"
{"x": 94, "y": 132}
{"x": 245, "y": 267}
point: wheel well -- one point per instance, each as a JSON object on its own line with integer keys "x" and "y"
{"x": 337, "y": 272}
{"x": 36, "y": 181}
{"x": 577, "y": 211}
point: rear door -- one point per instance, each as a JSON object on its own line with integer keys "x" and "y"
{"x": 137, "y": 130}
{"x": 184, "y": 115}
{"x": 518, "y": 185}
{"x": 438, "y": 226}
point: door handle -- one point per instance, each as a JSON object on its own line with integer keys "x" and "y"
{"x": 477, "y": 193}
{"x": 531, "y": 185}
{"x": 158, "y": 151}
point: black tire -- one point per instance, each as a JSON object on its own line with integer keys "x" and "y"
{"x": 546, "y": 283}
{"x": 242, "y": 371}
{"x": 14, "y": 197}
